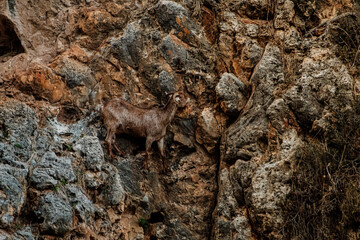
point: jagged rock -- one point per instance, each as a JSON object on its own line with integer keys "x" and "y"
{"x": 51, "y": 169}
{"x": 56, "y": 213}
{"x": 208, "y": 130}
{"x": 24, "y": 234}
{"x": 18, "y": 123}
{"x": 184, "y": 131}
{"x": 269, "y": 186}
{"x": 232, "y": 93}
{"x": 128, "y": 47}
{"x": 231, "y": 23}
{"x": 227, "y": 205}
{"x": 175, "y": 53}
{"x": 167, "y": 82}
{"x": 292, "y": 39}
{"x": 196, "y": 185}
{"x": 43, "y": 140}
{"x": 252, "y": 30}
{"x": 82, "y": 205}
{"x": 325, "y": 82}
{"x": 169, "y": 13}
{"x": 101, "y": 21}
{"x": 304, "y": 105}
{"x": 284, "y": 14}
{"x": 173, "y": 16}
{"x": 89, "y": 146}
{"x": 18, "y": 119}
{"x": 13, "y": 175}
{"x": 250, "y": 54}
{"x": 268, "y": 190}
{"x": 129, "y": 178}
{"x": 4, "y": 235}
{"x": 7, "y": 156}
{"x": 244, "y": 136}
{"x": 113, "y": 191}
{"x": 42, "y": 82}
{"x": 279, "y": 115}
{"x": 240, "y": 225}
{"x": 75, "y": 73}
{"x": 12, "y": 193}
{"x": 244, "y": 142}
{"x": 225, "y": 208}
{"x": 254, "y": 9}
{"x": 267, "y": 74}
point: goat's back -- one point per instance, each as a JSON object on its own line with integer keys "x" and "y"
{"x": 128, "y": 118}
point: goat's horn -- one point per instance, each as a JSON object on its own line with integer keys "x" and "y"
{"x": 169, "y": 93}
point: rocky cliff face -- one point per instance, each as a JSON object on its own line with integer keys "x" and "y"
{"x": 266, "y": 148}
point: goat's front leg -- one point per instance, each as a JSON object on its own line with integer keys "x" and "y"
{"x": 161, "y": 147}
{"x": 149, "y": 141}
{"x": 109, "y": 141}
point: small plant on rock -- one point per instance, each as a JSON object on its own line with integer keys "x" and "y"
{"x": 68, "y": 147}
{"x": 143, "y": 223}
{"x": 56, "y": 188}
{"x": 18, "y": 145}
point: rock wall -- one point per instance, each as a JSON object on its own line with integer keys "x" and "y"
{"x": 266, "y": 147}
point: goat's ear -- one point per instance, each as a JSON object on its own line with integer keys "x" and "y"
{"x": 177, "y": 99}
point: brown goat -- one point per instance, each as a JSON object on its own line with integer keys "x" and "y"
{"x": 123, "y": 117}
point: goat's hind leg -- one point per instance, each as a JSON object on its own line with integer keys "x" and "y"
{"x": 118, "y": 150}
{"x": 121, "y": 153}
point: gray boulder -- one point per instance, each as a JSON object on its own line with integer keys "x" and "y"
{"x": 90, "y": 147}
{"x": 24, "y": 234}
{"x": 231, "y": 92}
{"x": 74, "y": 72}
{"x": 167, "y": 13}
{"x": 50, "y": 170}
{"x": 18, "y": 123}
{"x": 128, "y": 47}
{"x": 82, "y": 205}
{"x": 12, "y": 193}
{"x": 8, "y": 156}
{"x": 113, "y": 191}
{"x": 56, "y": 213}
{"x": 167, "y": 82}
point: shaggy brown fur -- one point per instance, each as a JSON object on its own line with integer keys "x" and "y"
{"x": 123, "y": 117}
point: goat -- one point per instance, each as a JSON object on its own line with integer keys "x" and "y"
{"x": 123, "y": 117}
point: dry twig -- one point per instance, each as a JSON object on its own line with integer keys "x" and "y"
{"x": 328, "y": 22}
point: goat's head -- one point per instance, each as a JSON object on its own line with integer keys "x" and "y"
{"x": 179, "y": 99}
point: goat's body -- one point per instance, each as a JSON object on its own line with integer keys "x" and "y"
{"x": 123, "y": 117}
{"x": 129, "y": 119}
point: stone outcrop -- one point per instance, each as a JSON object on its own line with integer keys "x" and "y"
{"x": 266, "y": 147}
